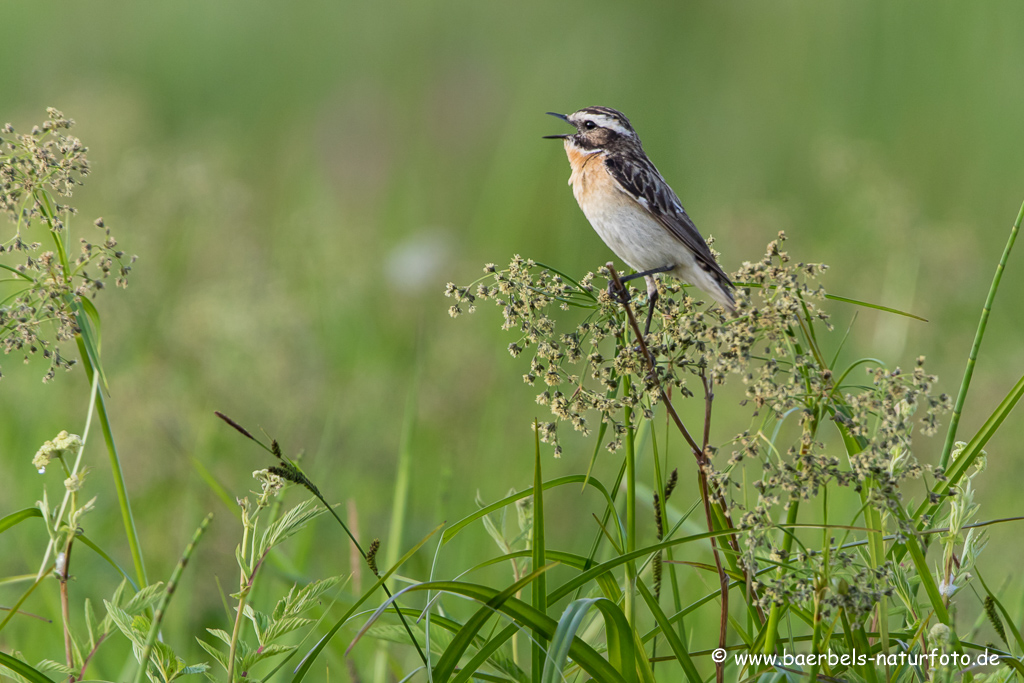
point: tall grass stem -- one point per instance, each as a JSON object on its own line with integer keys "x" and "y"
{"x": 961, "y": 397}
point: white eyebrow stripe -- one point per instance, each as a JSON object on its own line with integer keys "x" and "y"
{"x": 604, "y": 121}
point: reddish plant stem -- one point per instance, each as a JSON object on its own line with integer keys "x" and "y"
{"x": 723, "y": 578}
{"x": 699, "y": 453}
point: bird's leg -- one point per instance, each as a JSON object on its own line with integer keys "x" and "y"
{"x": 652, "y": 299}
{"x": 623, "y": 295}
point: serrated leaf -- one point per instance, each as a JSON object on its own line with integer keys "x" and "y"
{"x": 47, "y": 665}
{"x": 163, "y": 659}
{"x": 282, "y": 605}
{"x": 116, "y": 599}
{"x": 291, "y": 522}
{"x": 221, "y": 657}
{"x": 242, "y": 563}
{"x": 283, "y": 626}
{"x": 307, "y": 597}
{"x": 260, "y": 622}
{"x": 496, "y": 536}
{"x": 251, "y": 659}
{"x": 90, "y": 624}
{"x": 145, "y": 599}
{"x": 221, "y": 634}
{"x": 123, "y": 621}
{"x": 195, "y": 669}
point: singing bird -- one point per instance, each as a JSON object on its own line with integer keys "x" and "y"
{"x": 633, "y": 209}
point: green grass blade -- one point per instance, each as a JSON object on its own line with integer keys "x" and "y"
{"x": 877, "y": 307}
{"x": 846, "y": 300}
{"x": 585, "y": 577}
{"x": 674, "y": 642}
{"x": 527, "y": 618}
{"x": 445, "y": 666}
{"x": 619, "y": 636}
{"x": 307, "y": 662}
{"x": 492, "y": 645}
{"x": 18, "y": 517}
{"x": 15, "y": 271}
{"x": 961, "y": 397}
{"x": 99, "y": 551}
{"x": 127, "y": 517}
{"x": 14, "y": 609}
{"x": 22, "y": 669}
{"x": 973, "y": 449}
{"x": 89, "y": 340}
{"x": 1007, "y": 619}
{"x": 1014, "y": 664}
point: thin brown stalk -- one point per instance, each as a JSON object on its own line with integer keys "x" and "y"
{"x": 88, "y": 657}
{"x": 723, "y": 578}
{"x": 699, "y": 453}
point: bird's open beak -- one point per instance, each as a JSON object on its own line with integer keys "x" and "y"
{"x": 557, "y": 137}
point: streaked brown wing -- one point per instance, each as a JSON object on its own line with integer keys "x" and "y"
{"x": 639, "y": 178}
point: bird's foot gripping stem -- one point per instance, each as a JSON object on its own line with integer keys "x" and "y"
{"x": 618, "y": 292}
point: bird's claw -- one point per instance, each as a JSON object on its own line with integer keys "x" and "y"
{"x": 618, "y": 293}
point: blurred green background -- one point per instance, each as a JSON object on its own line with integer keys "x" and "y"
{"x": 300, "y": 180}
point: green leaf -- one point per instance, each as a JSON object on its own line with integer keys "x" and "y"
{"x": 255, "y": 657}
{"x": 221, "y": 634}
{"x": 619, "y": 635}
{"x": 22, "y": 669}
{"x": 491, "y": 652}
{"x": 18, "y": 517}
{"x": 90, "y": 624}
{"x": 99, "y": 551}
{"x": 847, "y": 300}
{"x": 126, "y": 624}
{"x": 145, "y": 599}
{"x": 48, "y": 665}
{"x": 676, "y": 645}
{"x": 1014, "y": 664}
{"x": 94, "y": 318}
{"x": 527, "y": 618}
{"x": 450, "y": 659}
{"x": 973, "y": 449}
{"x": 307, "y": 661}
{"x": 287, "y": 525}
{"x": 90, "y": 341}
{"x": 979, "y": 334}
{"x": 221, "y": 657}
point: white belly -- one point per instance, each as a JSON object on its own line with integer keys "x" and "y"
{"x": 635, "y": 236}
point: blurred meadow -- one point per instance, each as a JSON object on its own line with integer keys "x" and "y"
{"x": 300, "y": 181}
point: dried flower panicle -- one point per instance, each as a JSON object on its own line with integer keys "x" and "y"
{"x": 594, "y": 372}
{"x": 36, "y": 169}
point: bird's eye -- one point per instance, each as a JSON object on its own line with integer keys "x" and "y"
{"x": 590, "y": 125}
